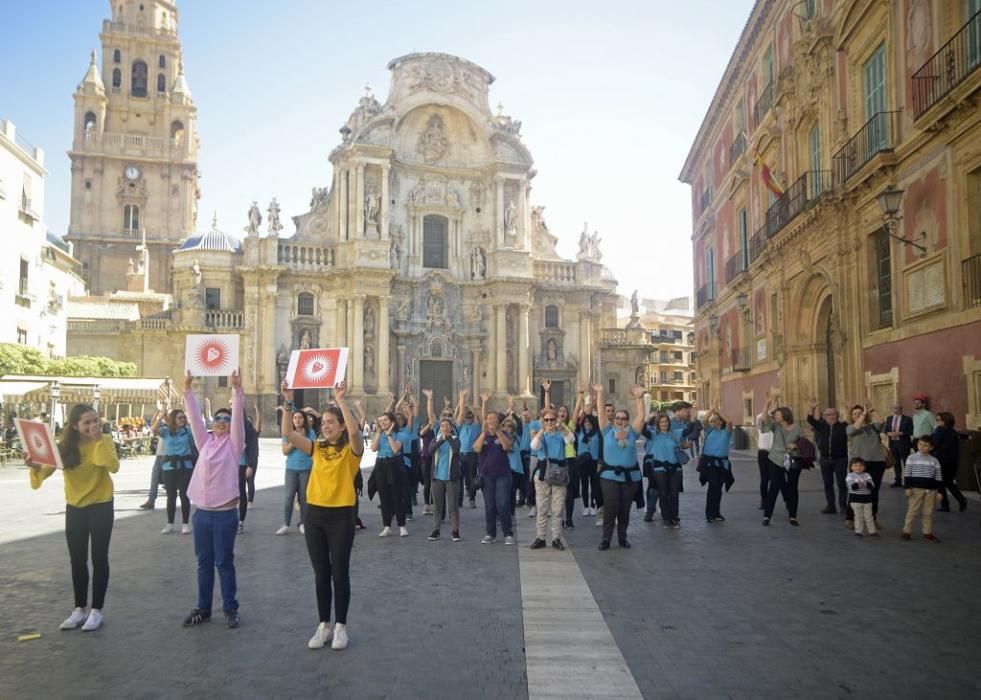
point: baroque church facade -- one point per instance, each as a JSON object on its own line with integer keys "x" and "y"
{"x": 425, "y": 256}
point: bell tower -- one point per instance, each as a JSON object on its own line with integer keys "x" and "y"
{"x": 135, "y": 149}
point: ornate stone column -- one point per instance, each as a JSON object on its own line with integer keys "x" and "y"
{"x": 269, "y": 374}
{"x": 475, "y": 372}
{"x": 524, "y": 379}
{"x": 384, "y": 210}
{"x": 500, "y": 351}
{"x": 359, "y": 202}
{"x": 340, "y": 323}
{"x": 499, "y": 217}
{"x": 343, "y": 206}
{"x": 523, "y": 217}
{"x": 384, "y": 371}
{"x": 357, "y": 346}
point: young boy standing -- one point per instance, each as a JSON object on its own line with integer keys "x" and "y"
{"x": 859, "y": 485}
{"x": 923, "y": 482}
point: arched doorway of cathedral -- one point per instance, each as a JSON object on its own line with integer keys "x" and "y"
{"x": 817, "y": 364}
{"x": 825, "y": 360}
{"x": 435, "y": 371}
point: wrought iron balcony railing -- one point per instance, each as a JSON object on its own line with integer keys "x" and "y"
{"x": 947, "y": 68}
{"x": 971, "y": 274}
{"x": 704, "y": 295}
{"x": 876, "y": 136}
{"x": 763, "y": 105}
{"x": 737, "y": 148}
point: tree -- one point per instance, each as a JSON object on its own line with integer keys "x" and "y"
{"x": 19, "y": 359}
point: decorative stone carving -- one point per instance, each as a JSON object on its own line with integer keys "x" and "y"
{"x": 305, "y": 340}
{"x": 255, "y": 220}
{"x": 369, "y": 323}
{"x": 319, "y": 198}
{"x": 274, "y": 226}
{"x": 478, "y": 192}
{"x": 433, "y": 143}
{"x": 510, "y": 218}
{"x": 404, "y": 311}
{"x": 478, "y": 264}
{"x": 195, "y": 273}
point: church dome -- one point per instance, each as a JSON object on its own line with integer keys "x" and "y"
{"x": 213, "y": 241}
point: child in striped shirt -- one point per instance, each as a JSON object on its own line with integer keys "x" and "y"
{"x": 859, "y": 484}
{"x": 923, "y": 483}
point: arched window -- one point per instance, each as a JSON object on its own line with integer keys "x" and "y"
{"x": 435, "y": 242}
{"x": 116, "y": 56}
{"x": 117, "y": 77}
{"x": 551, "y": 317}
{"x": 89, "y": 122}
{"x": 161, "y": 83}
{"x": 177, "y": 132}
{"x": 137, "y": 85}
{"x": 131, "y": 218}
{"x": 304, "y": 304}
{"x": 162, "y": 63}
{"x": 436, "y": 348}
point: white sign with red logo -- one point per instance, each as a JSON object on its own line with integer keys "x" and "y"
{"x": 316, "y": 369}
{"x": 38, "y": 443}
{"x": 211, "y": 355}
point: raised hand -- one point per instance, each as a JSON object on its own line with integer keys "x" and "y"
{"x": 546, "y": 384}
{"x": 428, "y": 393}
{"x": 637, "y": 391}
{"x": 286, "y": 392}
{"x": 236, "y": 380}
{"x": 598, "y": 389}
{"x": 484, "y": 397}
{"x": 187, "y": 380}
{"x": 340, "y": 391}
{"x": 813, "y": 403}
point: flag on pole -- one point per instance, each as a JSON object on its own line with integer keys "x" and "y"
{"x": 322, "y": 368}
{"x": 769, "y": 180}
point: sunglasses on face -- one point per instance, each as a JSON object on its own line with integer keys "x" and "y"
{"x": 548, "y": 420}
{"x": 223, "y": 419}
{"x": 620, "y": 418}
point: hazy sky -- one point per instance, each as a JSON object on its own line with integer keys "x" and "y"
{"x": 610, "y": 96}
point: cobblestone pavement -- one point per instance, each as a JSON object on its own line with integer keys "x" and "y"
{"x": 729, "y": 610}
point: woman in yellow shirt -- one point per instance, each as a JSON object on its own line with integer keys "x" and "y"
{"x": 88, "y": 457}
{"x": 330, "y": 518}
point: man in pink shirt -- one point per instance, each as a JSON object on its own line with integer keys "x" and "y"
{"x": 214, "y": 491}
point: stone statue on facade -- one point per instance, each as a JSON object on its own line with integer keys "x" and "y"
{"x": 371, "y": 206}
{"x": 274, "y": 225}
{"x": 634, "y": 304}
{"x": 318, "y": 198}
{"x": 478, "y": 264}
{"x": 583, "y": 253}
{"x": 403, "y": 311}
{"x": 195, "y": 274}
{"x": 510, "y": 218}
{"x": 395, "y": 254}
{"x": 305, "y": 340}
{"x": 369, "y": 323}
{"x": 551, "y": 353}
{"x": 130, "y": 267}
{"x": 433, "y": 143}
{"x": 255, "y": 220}
{"x": 594, "y": 247}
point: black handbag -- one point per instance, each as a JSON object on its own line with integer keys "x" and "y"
{"x": 555, "y": 474}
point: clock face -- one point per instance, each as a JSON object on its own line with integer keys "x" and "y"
{"x": 132, "y": 172}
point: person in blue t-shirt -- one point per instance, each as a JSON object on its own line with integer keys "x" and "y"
{"x": 665, "y": 470}
{"x": 298, "y": 466}
{"x": 389, "y": 473}
{"x": 445, "y": 479}
{"x": 176, "y": 465}
{"x": 407, "y": 433}
{"x": 621, "y": 474}
{"x": 588, "y": 446}
{"x": 714, "y": 467}
{"x": 532, "y": 424}
{"x": 467, "y": 429}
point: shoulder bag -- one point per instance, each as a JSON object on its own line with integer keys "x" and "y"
{"x": 555, "y": 474}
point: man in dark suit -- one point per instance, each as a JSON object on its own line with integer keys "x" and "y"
{"x": 899, "y": 429}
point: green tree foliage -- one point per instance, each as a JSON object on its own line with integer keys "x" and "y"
{"x": 19, "y": 359}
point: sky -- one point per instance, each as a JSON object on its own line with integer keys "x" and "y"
{"x": 610, "y": 96}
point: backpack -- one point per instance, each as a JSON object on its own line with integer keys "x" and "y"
{"x": 806, "y": 454}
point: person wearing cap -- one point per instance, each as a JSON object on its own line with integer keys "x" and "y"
{"x": 924, "y": 422}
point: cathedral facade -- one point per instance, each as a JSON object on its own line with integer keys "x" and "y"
{"x": 425, "y": 256}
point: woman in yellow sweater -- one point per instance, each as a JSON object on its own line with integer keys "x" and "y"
{"x": 88, "y": 457}
{"x": 330, "y": 518}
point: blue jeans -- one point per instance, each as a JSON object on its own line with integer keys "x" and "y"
{"x": 497, "y": 503}
{"x": 155, "y": 478}
{"x": 214, "y": 545}
{"x": 296, "y": 487}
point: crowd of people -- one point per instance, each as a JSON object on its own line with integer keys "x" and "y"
{"x": 545, "y": 459}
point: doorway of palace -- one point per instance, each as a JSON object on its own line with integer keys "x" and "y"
{"x": 438, "y": 376}
{"x": 825, "y": 355}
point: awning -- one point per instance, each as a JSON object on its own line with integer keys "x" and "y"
{"x": 126, "y": 390}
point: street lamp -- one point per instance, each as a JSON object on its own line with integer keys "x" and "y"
{"x": 96, "y": 395}
{"x": 54, "y": 394}
{"x": 890, "y": 200}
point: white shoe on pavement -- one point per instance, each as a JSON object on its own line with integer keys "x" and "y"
{"x": 385, "y": 532}
{"x": 532, "y": 512}
{"x": 168, "y": 528}
{"x": 340, "y": 637}
{"x": 283, "y": 530}
{"x": 488, "y": 540}
{"x": 186, "y": 529}
{"x": 509, "y": 540}
{"x": 302, "y": 529}
{"x": 320, "y": 637}
{"x": 585, "y": 512}
{"x": 93, "y": 622}
{"x": 76, "y": 619}
{"x": 402, "y": 533}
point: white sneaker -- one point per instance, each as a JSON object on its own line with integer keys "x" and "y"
{"x": 532, "y": 512}
{"x": 320, "y": 637}
{"x": 488, "y": 540}
{"x": 186, "y": 529}
{"x": 93, "y": 622}
{"x": 241, "y": 527}
{"x": 402, "y": 533}
{"x": 585, "y": 512}
{"x": 168, "y": 528}
{"x": 386, "y": 532}
{"x": 283, "y": 530}
{"x": 509, "y": 540}
{"x": 302, "y": 529}
{"x": 599, "y": 521}
{"x": 76, "y": 619}
{"x": 340, "y": 637}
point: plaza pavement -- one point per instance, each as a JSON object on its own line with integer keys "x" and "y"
{"x": 729, "y": 610}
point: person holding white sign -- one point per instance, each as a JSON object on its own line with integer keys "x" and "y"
{"x": 88, "y": 458}
{"x": 330, "y": 518}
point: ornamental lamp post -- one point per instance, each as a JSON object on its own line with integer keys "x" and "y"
{"x": 96, "y": 396}
{"x": 890, "y": 200}
{"x": 54, "y": 394}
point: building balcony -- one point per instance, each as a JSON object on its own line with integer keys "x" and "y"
{"x": 564, "y": 273}
{"x": 108, "y": 26}
{"x": 763, "y": 105}
{"x": 704, "y": 295}
{"x": 971, "y": 275}
{"x": 949, "y": 67}
{"x": 669, "y": 339}
{"x": 224, "y": 319}
{"x": 623, "y": 336}
{"x": 736, "y": 265}
{"x": 737, "y": 148}
{"x": 878, "y": 135}
{"x": 742, "y": 360}
{"x": 799, "y": 197}
{"x": 705, "y": 199}
{"x": 298, "y": 256}
{"x": 134, "y": 145}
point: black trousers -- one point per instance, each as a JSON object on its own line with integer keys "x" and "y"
{"x": 468, "y": 467}
{"x": 834, "y": 471}
{"x": 668, "y": 488}
{"x": 426, "y": 467}
{"x": 618, "y": 497}
{"x": 877, "y": 470}
{"x": 713, "y": 497}
{"x": 782, "y": 481}
{"x": 93, "y": 523}
{"x": 243, "y": 493}
{"x": 949, "y": 474}
{"x": 330, "y": 538}
{"x": 763, "y": 461}
{"x": 572, "y": 490}
{"x": 518, "y": 488}
{"x": 588, "y": 479}
{"x": 900, "y": 452}
{"x": 529, "y": 479}
{"x": 389, "y": 479}
{"x": 176, "y": 482}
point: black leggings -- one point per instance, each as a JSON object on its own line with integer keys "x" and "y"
{"x": 949, "y": 473}
{"x": 668, "y": 488}
{"x": 390, "y": 478}
{"x": 81, "y": 524}
{"x": 426, "y": 467}
{"x": 588, "y": 477}
{"x": 177, "y": 480}
{"x": 572, "y": 490}
{"x": 782, "y": 481}
{"x": 763, "y": 461}
{"x": 243, "y": 503}
{"x": 330, "y": 538}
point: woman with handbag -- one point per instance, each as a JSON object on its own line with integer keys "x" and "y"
{"x": 621, "y": 474}
{"x": 865, "y": 441}
{"x": 714, "y": 466}
{"x": 783, "y": 473}
{"x": 551, "y": 477}
{"x": 175, "y": 469}
{"x": 662, "y": 450}
{"x": 492, "y": 447}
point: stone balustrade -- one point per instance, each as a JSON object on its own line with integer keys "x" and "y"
{"x": 224, "y": 319}
{"x": 133, "y": 144}
{"x": 624, "y": 336}
{"x": 298, "y": 256}
{"x": 562, "y": 272}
